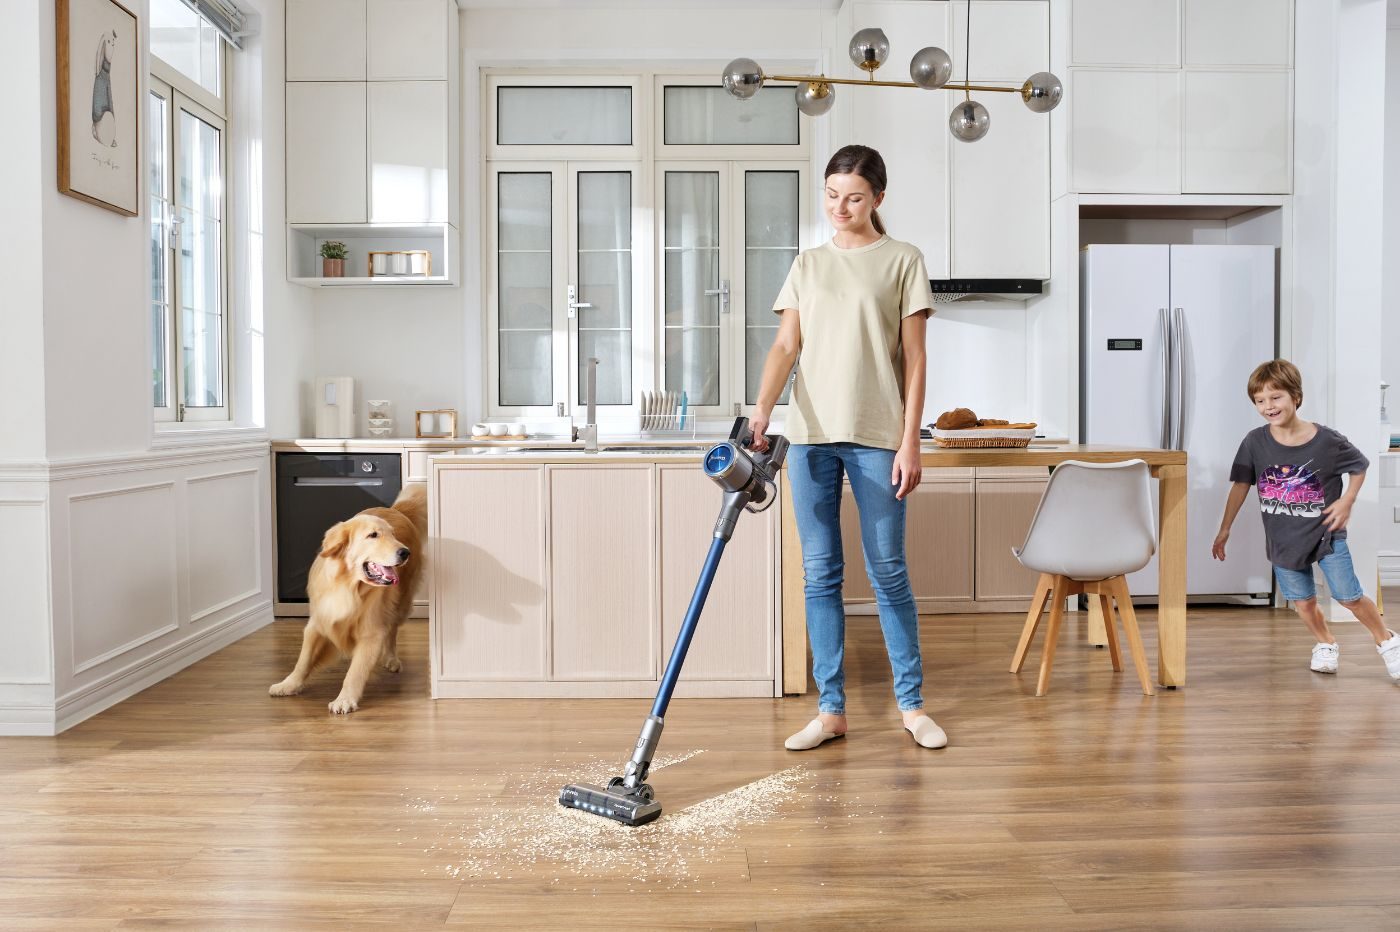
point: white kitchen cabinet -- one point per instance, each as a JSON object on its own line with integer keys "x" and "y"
{"x": 1125, "y": 131}
{"x": 909, "y": 128}
{"x": 1130, "y": 33}
{"x": 1005, "y": 508}
{"x": 490, "y": 617}
{"x": 1000, "y": 185}
{"x": 326, "y": 152}
{"x": 408, "y": 151}
{"x": 1239, "y": 32}
{"x": 325, "y": 40}
{"x": 1237, "y": 132}
{"x": 1181, "y": 96}
{"x": 407, "y": 40}
{"x": 601, "y": 579}
{"x": 734, "y": 640}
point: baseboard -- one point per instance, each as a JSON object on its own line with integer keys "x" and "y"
{"x": 27, "y": 721}
{"x": 84, "y": 703}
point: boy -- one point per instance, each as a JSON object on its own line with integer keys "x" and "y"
{"x": 1298, "y": 467}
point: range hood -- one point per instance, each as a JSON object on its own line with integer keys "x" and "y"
{"x": 946, "y": 290}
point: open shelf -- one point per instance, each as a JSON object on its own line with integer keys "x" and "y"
{"x": 304, "y": 260}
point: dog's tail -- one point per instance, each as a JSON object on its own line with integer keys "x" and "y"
{"x": 413, "y": 504}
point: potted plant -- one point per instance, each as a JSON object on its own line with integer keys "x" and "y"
{"x": 332, "y": 259}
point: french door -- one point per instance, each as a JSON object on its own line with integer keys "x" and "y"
{"x": 564, "y": 286}
{"x": 727, "y": 233}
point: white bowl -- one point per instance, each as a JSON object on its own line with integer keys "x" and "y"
{"x": 499, "y": 430}
{"x": 480, "y": 430}
{"x": 517, "y": 428}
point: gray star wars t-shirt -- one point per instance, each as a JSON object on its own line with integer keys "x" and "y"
{"x": 1295, "y": 484}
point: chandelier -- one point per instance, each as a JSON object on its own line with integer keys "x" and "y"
{"x": 930, "y": 69}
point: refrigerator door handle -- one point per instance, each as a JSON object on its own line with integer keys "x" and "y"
{"x": 1166, "y": 433}
{"x": 1179, "y": 379}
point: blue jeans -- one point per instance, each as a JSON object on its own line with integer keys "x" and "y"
{"x": 1299, "y": 585}
{"x": 815, "y": 471}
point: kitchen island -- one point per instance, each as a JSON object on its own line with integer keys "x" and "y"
{"x": 565, "y": 574}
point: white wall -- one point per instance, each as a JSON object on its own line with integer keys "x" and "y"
{"x": 143, "y": 553}
{"x": 1390, "y": 299}
{"x": 22, "y": 305}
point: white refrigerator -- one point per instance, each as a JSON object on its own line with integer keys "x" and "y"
{"x": 1170, "y": 335}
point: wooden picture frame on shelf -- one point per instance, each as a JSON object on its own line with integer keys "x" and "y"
{"x": 440, "y": 423}
{"x": 98, "y": 66}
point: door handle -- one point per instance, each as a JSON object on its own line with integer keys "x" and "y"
{"x": 1165, "y": 437}
{"x": 334, "y": 482}
{"x": 574, "y": 303}
{"x": 1179, "y": 378}
{"x": 723, "y": 292}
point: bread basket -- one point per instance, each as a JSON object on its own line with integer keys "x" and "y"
{"x": 975, "y": 437}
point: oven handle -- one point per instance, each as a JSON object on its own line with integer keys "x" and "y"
{"x": 334, "y": 481}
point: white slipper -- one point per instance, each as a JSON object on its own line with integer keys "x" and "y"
{"x": 927, "y": 733}
{"x": 809, "y": 737}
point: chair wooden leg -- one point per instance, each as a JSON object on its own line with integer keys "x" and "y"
{"x": 1052, "y": 632}
{"x": 1106, "y": 606}
{"x": 1130, "y": 628}
{"x": 1043, "y": 588}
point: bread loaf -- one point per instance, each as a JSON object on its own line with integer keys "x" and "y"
{"x": 956, "y": 419}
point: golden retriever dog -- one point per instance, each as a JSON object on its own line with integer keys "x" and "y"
{"x": 361, "y": 589}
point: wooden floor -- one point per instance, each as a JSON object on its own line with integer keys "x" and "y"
{"x": 1262, "y": 796}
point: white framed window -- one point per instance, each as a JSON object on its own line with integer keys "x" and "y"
{"x": 564, "y": 117}
{"x": 662, "y": 267}
{"x": 729, "y": 233}
{"x": 187, "y": 126}
{"x": 695, "y": 118}
{"x": 564, "y": 284}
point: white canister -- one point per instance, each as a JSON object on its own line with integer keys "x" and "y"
{"x": 499, "y": 430}
{"x": 481, "y": 430}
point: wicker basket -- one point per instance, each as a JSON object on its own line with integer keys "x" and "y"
{"x": 983, "y": 437}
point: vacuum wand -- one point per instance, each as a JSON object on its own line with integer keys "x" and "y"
{"x": 749, "y": 481}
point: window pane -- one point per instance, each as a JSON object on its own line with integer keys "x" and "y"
{"x": 156, "y": 145}
{"x": 564, "y": 116}
{"x": 691, "y": 268}
{"x": 183, "y": 40}
{"x": 523, "y": 380}
{"x": 770, "y": 245}
{"x": 709, "y": 116}
{"x": 524, "y": 275}
{"x": 605, "y": 281}
{"x": 199, "y": 194}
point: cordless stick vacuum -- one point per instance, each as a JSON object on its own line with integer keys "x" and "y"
{"x": 749, "y": 482}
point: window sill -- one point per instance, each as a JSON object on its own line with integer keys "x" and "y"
{"x": 208, "y": 434}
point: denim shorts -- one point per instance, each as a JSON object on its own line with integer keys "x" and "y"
{"x": 1299, "y": 585}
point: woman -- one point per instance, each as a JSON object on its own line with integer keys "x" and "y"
{"x": 856, "y": 308}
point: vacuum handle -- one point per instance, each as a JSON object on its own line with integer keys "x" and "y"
{"x": 771, "y": 460}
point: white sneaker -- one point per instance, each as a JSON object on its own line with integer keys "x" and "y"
{"x": 1324, "y": 657}
{"x": 1390, "y": 653}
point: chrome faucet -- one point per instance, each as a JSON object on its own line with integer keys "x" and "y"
{"x": 588, "y": 433}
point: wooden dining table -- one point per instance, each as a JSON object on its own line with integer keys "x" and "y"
{"x": 1169, "y": 466}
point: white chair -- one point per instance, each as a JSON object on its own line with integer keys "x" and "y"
{"x": 1093, "y": 526}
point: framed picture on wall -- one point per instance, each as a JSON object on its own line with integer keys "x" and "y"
{"x": 98, "y": 104}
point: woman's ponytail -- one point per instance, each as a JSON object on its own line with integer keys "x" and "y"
{"x": 877, "y": 222}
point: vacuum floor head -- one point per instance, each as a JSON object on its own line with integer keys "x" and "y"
{"x": 612, "y": 802}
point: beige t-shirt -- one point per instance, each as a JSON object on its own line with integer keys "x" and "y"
{"x": 850, "y": 374}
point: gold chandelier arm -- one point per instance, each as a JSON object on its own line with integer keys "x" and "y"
{"x": 822, "y": 79}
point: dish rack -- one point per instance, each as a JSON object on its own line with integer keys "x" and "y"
{"x": 979, "y": 437}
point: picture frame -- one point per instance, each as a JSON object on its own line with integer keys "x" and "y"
{"x": 99, "y": 102}
{"x": 441, "y": 422}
